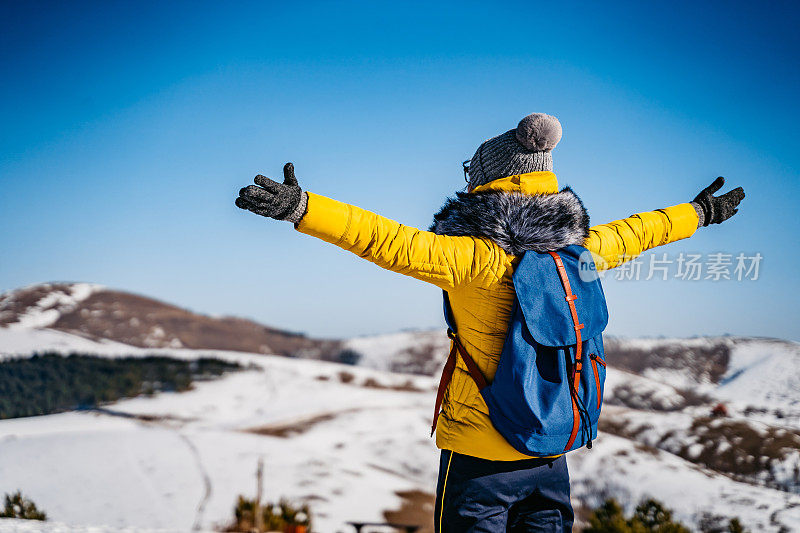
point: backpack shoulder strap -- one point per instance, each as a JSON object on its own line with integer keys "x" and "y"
{"x": 449, "y": 367}
{"x": 576, "y": 371}
{"x": 570, "y": 298}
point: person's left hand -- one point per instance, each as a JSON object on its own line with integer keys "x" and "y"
{"x": 717, "y": 209}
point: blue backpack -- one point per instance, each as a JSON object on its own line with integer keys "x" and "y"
{"x": 546, "y": 395}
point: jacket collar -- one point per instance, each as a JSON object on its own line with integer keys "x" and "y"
{"x": 544, "y": 182}
{"x": 519, "y": 213}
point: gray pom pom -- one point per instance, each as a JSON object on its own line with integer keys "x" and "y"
{"x": 539, "y": 132}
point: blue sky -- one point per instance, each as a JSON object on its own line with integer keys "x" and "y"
{"x": 128, "y": 129}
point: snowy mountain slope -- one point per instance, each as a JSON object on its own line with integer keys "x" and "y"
{"x": 97, "y": 312}
{"x": 21, "y": 342}
{"x": 41, "y": 306}
{"x": 412, "y": 352}
{"x": 759, "y": 453}
{"x": 756, "y": 441}
{"x": 620, "y": 468}
{"x": 639, "y": 392}
{"x": 764, "y": 373}
{"x": 759, "y": 375}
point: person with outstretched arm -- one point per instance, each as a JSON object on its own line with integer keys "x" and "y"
{"x": 512, "y": 205}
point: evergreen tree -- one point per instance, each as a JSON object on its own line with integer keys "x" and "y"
{"x": 735, "y": 526}
{"x": 49, "y": 383}
{"x": 650, "y": 516}
{"x": 18, "y": 506}
{"x": 608, "y": 518}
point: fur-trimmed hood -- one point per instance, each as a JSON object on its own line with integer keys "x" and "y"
{"x": 517, "y": 222}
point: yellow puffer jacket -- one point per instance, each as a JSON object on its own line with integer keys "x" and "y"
{"x": 477, "y": 274}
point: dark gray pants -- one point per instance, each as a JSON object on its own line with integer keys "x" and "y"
{"x": 477, "y": 495}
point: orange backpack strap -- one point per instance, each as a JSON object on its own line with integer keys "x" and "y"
{"x": 576, "y": 372}
{"x": 444, "y": 381}
{"x": 447, "y": 374}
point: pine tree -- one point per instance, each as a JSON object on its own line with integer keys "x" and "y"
{"x": 608, "y": 518}
{"x": 651, "y": 516}
{"x": 18, "y": 506}
{"x": 735, "y": 526}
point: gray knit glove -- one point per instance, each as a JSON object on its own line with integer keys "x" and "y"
{"x": 282, "y": 201}
{"x": 716, "y": 209}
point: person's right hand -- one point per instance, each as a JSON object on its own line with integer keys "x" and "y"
{"x": 717, "y": 209}
{"x": 268, "y": 198}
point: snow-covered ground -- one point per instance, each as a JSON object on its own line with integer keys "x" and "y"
{"x": 17, "y": 342}
{"x": 174, "y": 462}
{"x": 347, "y": 449}
{"x": 766, "y": 377}
{"x": 406, "y": 351}
{"x": 619, "y": 467}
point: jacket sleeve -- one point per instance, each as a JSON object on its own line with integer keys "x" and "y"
{"x": 622, "y": 240}
{"x": 445, "y": 261}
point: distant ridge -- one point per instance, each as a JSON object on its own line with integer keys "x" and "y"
{"x": 96, "y": 312}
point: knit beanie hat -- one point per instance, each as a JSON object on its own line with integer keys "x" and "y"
{"x": 524, "y": 149}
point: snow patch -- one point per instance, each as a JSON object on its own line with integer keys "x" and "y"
{"x": 50, "y": 307}
{"x": 618, "y": 467}
{"x": 763, "y": 373}
{"x": 382, "y": 351}
{"x": 18, "y": 342}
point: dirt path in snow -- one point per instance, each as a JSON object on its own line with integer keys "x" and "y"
{"x": 207, "y": 488}
{"x": 168, "y": 422}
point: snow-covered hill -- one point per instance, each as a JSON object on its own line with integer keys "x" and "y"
{"x": 100, "y": 313}
{"x": 412, "y": 352}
